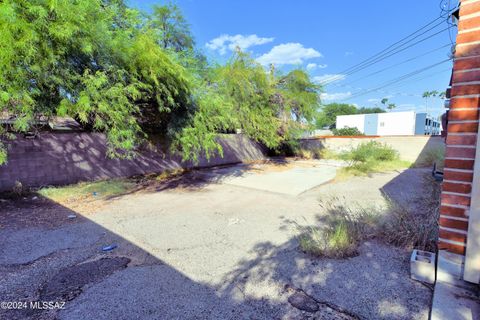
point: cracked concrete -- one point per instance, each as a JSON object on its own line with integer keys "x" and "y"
{"x": 213, "y": 251}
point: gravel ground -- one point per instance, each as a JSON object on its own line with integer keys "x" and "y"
{"x": 206, "y": 251}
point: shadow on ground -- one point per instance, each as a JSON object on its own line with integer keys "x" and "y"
{"x": 51, "y": 253}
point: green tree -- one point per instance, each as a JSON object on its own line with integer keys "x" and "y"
{"x": 241, "y": 95}
{"x": 327, "y": 116}
{"x": 128, "y": 75}
{"x": 91, "y": 60}
{"x": 432, "y": 94}
{"x": 389, "y": 105}
{"x": 172, "y": 28}
{"x": 297, "y": 98}
{"x": 366, "y": 110}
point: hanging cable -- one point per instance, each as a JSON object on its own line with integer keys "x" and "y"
{"x": 396, "y": 80}
{"x": 396, "y": 65}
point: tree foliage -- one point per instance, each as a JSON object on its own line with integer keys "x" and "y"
{"x": 173, "y": 31}
{"x": 329, "y": 112}
{"x": 130, "y": 74}
{"x": 327, "y": 115}
{"x": 240, "y": 95}
{"x": 366, "y": 110}
{"x": 347, "y": 131}
{"x": 389, "y": 105}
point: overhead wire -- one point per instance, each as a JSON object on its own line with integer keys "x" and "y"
{"x": 393, "y": 49}
{"x": 395, "y": 65}
{"x": 398, "y": 79}
{"x": 342, "y": 75}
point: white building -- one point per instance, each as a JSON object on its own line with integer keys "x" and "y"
{"x": 407, "y": 123}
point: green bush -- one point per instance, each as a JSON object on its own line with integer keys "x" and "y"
{"x": 346, "y": 227}
{"x": 414, "y": 229}
{"x": 371, "y": 157}
{"x": 347, "y": 132}
{"x": 371, "y": 151}
{"x": 341, "y": 234}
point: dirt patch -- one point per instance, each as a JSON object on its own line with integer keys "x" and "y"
{"x": 34, "y": 211}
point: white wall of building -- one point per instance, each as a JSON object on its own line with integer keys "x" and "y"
{"x": 396, "y": 123}
{"x": 351, "y": 121}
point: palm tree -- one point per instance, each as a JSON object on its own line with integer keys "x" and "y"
{"x": 389, "y": 106}
{"x": 428, "y": 94}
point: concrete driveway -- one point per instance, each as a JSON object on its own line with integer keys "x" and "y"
{"x": 221, "y": 247}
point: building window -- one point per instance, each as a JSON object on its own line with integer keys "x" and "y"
{"x": 382, "y": 124}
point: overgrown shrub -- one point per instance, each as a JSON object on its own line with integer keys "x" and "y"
{"x": 371, "y": 157}
{"x": 369, "y": 151}
{"x": 347, "y": 131}
{"x": 343, "y": 230}
{"x": 414, "y": 229}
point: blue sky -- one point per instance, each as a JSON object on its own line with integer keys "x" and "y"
{"x": 327, "y": 37}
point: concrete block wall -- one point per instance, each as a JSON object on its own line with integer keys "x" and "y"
{"x": 64, "y": 158}
{"x": 410, "y": 148}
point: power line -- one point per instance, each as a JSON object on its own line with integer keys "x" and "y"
{"x": 396, "y": 80}
{"x": 391, "y": 46}
{"x": 395, "y": 65}
{"x": 421, "y": 78}
{"x": 402, "y": 83}
{"x": 395, "y": 46}
{"x": 383, "y": 57}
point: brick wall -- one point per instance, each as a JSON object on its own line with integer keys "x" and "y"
{"x": 63, "y": 158}
{"x": 462, "y": 132}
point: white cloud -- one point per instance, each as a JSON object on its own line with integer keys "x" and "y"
{"x": 313, "y": 66}
{"x": 329, "y": 78}
{"x": 288, "y": 53}
{"x": 335, "y": 96}
{"x": 374, "y": 100}
{"x": 227, "y": 42}
{"x": 349, "y": 53}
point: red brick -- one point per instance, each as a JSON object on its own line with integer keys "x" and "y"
{"x": 455, "y": 115}
{"x": 458, "y": 175}
{"x": 459, "y": 152}
{"x": 466, "y": 140}
{"x": 469, "y": 8}
{"x": 466, "y": 76}
{"x": 457, "y": 187}
{"x": 462, "y": 127}
{"x": 467, "y": 63}
{"x": 467, "y": 50}
{"x": 468, "y": 37}
{"x": 465, "y": 90}
{"x": 459, "y": 164}
{"x": 464, "y": 24}
{"x": 455, "y": 199}
{"x": 454, "y": 224}
{"x": 452, "y": 236}
{"x": 473, "y": 102}
{"x": 453, "y": 211}
{"x": 451, "y": 247}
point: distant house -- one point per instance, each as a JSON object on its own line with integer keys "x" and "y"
{"x": 407, "y": 123}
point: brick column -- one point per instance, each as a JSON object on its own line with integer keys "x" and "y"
{"x": 462, "y": 131}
